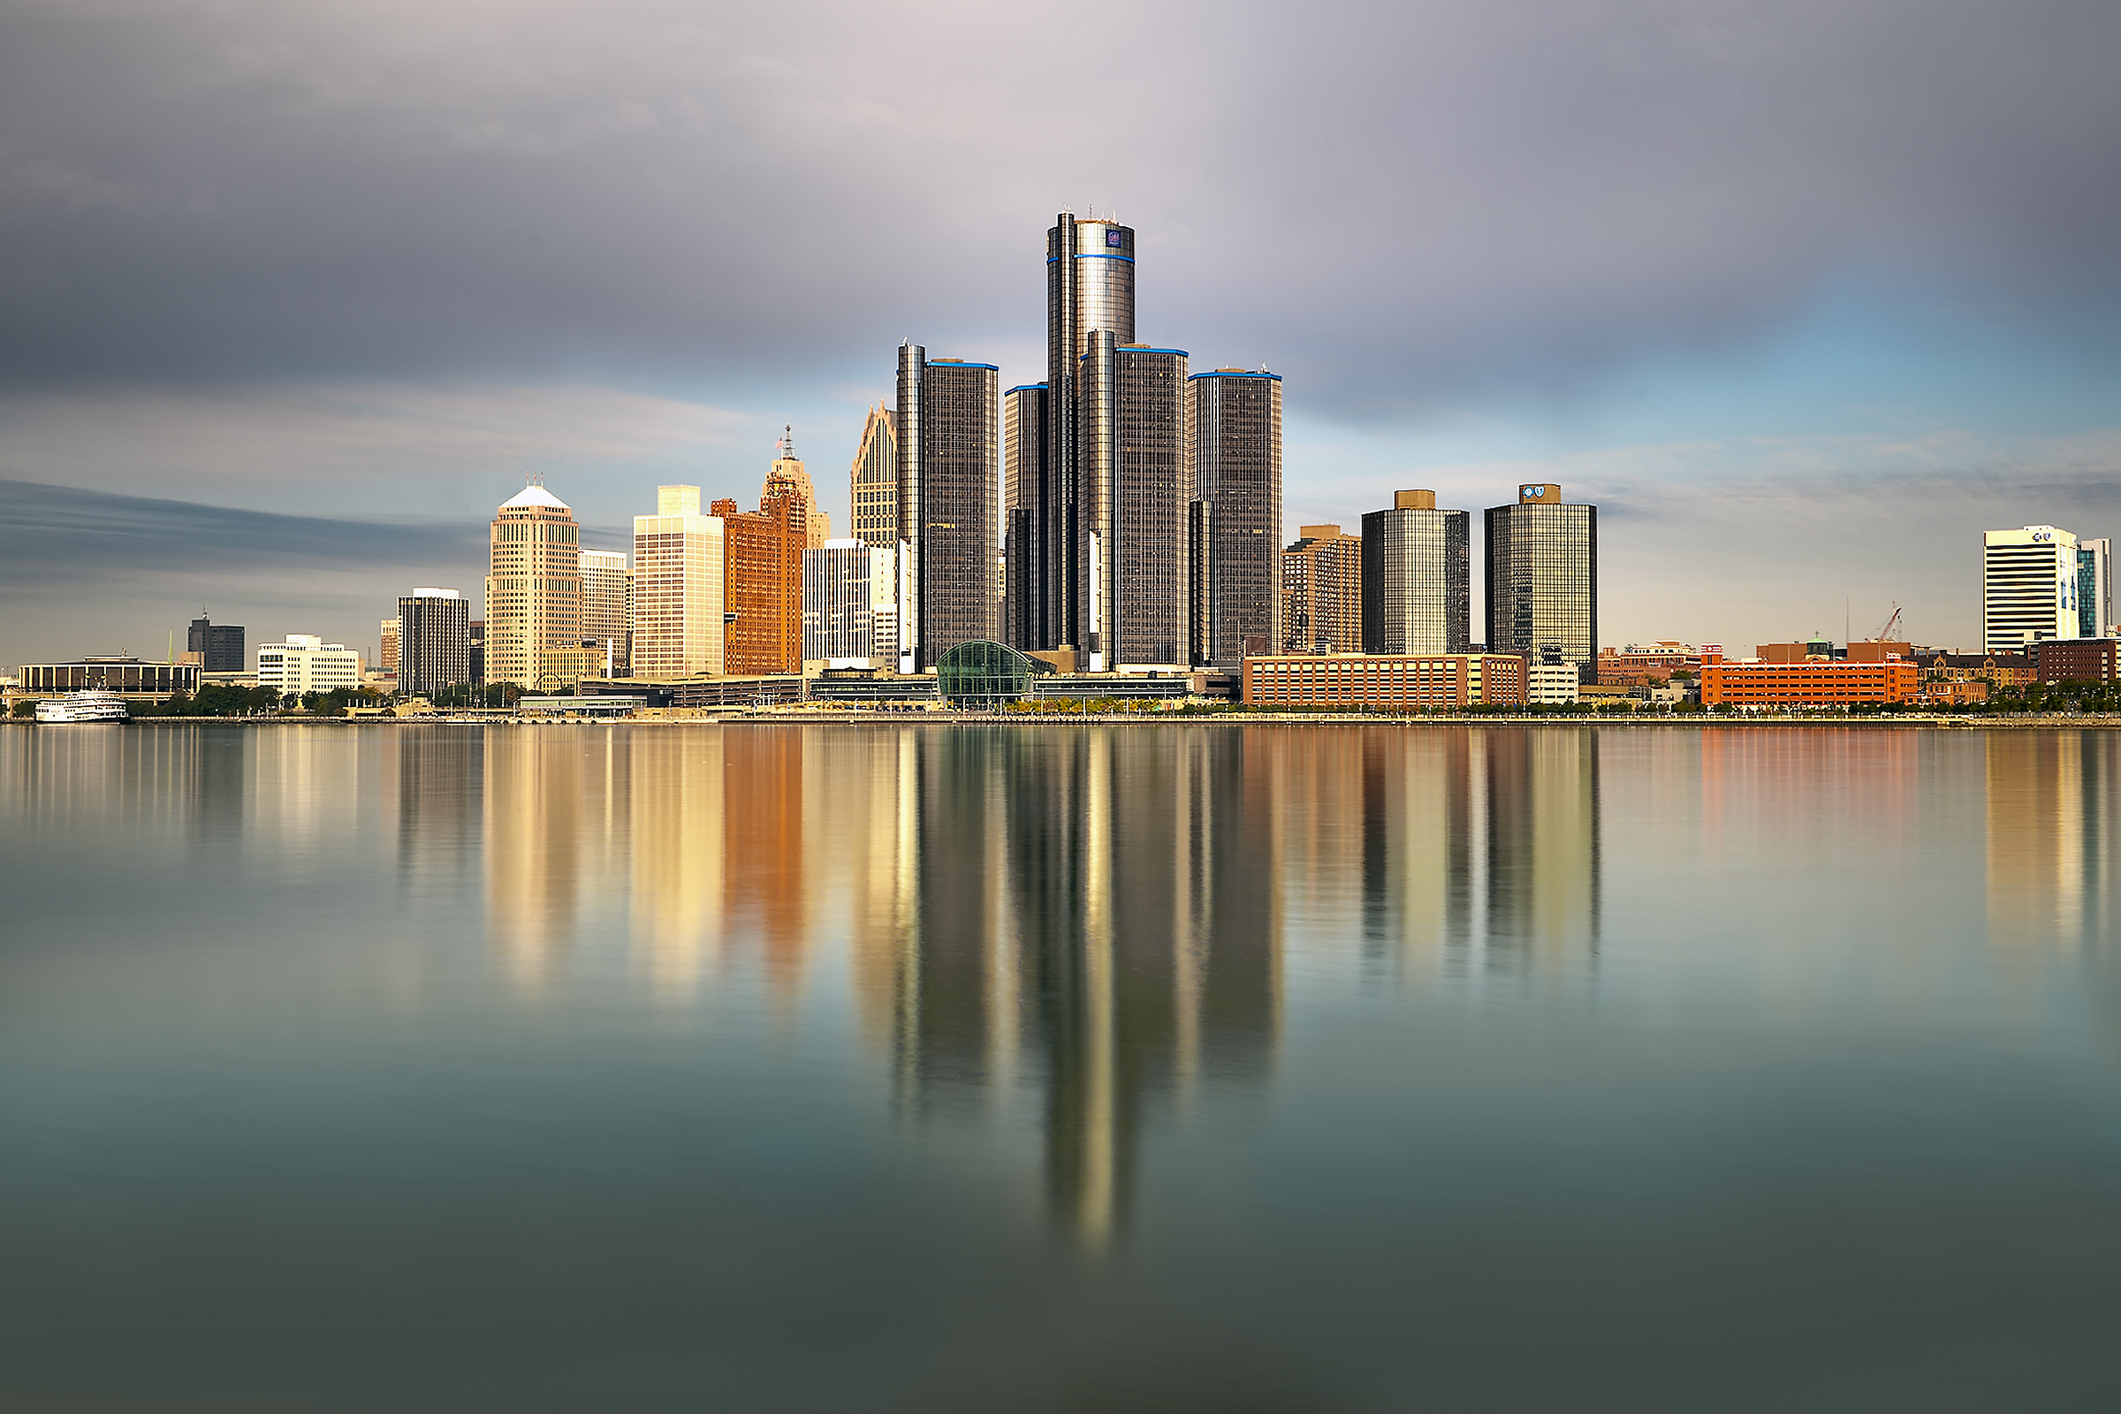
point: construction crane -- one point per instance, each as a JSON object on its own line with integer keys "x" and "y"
{"x": 1885, "y": 635}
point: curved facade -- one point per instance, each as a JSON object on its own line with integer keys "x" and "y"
{"x": 982, "y": 673}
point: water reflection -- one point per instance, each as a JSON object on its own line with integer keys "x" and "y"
{"x": 2051, "y": 798}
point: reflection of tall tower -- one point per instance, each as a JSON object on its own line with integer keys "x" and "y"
{"x": 2050, "y": 830}
{"x": 1542, "y": 839}
{"x": 763, "y": 858}
{"x": 1105, "y": 902}
{"x": 1417, "y": 845}
{"x": 677, "y": 828}
{"x": 532, "y": 831}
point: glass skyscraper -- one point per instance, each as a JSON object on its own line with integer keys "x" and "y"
{"x": 1233, "y": 514}
{"x": 1417, "y": 577}
{"x": 1023, "y": 479}
{"x": 949, "y": 447}
{"x": 1543, "y": 578}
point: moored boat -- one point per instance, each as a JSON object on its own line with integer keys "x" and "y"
{"x": 90, "y": 705}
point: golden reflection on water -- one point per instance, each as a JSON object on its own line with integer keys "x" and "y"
{"x": 1093, "y": 920}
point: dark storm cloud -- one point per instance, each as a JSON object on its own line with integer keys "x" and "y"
{"x": 52, "y": 532}
{"x": 1371, "y": 198}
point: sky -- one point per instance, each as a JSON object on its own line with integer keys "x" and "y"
{"x": 1802, "y": 296}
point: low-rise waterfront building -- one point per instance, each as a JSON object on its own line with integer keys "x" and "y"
{"x": 1806, "y": 684}
{"x": 1638, "y": 665}
{"x": 1402, "y": 682}
{"x": 127, "y": 676}
{"x": 2077, "y": 659}
{"x": 306, "y": 663}
{"x": 1552, "y": 684}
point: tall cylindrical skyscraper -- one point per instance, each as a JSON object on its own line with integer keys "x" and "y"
{"x": 1089, "y": 291}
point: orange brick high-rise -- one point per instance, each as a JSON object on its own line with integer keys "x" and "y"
{"x": 763, "y": 559}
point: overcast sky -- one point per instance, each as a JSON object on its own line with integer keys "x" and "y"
{"x": 1803, "y": 296}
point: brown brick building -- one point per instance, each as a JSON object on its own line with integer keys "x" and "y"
{"x": 1321, "y": 592}
{"x": 2077, "y": 659}
{"x": 763, "y": 582}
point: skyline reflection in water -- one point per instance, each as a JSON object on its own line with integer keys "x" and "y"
{"x": 1084, "y": 1067}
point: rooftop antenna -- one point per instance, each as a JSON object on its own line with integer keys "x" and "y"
{"x": 533, "y": 478}
{"x": 788, "y": 441}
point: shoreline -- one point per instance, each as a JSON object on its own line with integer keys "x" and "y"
{"x": 1901, "y": 722}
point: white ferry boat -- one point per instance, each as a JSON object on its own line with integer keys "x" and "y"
{"x": 91, "y": 705}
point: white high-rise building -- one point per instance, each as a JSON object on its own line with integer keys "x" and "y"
{"x": 839, "y": 603}
{"x": 677, "y": 588}
{"x": 2028, "y": 587}
{"x": 306, "y": 663}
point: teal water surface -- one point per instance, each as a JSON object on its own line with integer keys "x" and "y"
{"x": 1042, "y": 1068}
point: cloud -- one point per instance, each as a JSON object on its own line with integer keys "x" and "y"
{"x": 1393, "y": 204}
{"x": 85, "y": 571}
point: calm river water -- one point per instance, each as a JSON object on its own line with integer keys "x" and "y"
{"x": 1056, "y": 1068}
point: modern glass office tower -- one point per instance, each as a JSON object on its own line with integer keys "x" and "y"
{"x": 1089, "y": 290}
{"x": 1023, "y": 483}
{"x": 220, "y": 646}
{"x": 949, "y": 452}
{"x": 679, "y": 580}
{"x": 1417, "y": 577}
{"x": 839, "y": 615}
{"x": 2028, "y": 587}
{"x": 533, "y": 592}
{"x": 607, "y": 608}
{"x": 1543, "y": 578}
{"x": 1233, "y": 475}
{"x": 434, "y": 641}
{"x": 1131, "y": 497}
{"x": 2095, "y": 588}
{"x": 872, "y": 489}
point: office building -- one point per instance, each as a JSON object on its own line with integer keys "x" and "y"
{"x": 1417, "y": 577}
{"x": 1089, "y": 291}
{"x": 872, "y": 482}
{"x": 1552, "y": 684}
{"x": 786, "y": 477}
{"x": 534, "y": 592}
{"x": 2028, "y": 587}
{"x": 1024, "y": 467}
{"x": 949, "y": 446}
{"x": 387, "y": 646}
{"x": 1321, "y": 592}
{"x": 762, "y": 581}
{"x": 478, "y": 652}
{"x": 2095, "y": 588}
{"x": 679, "y": 584}
{"x": 1233, "y": 445}
{"x": 839, "y": 606}
{"x": 1402, "y": 682}
{"x": 1640, "y": 665}
{"x": 1816, "y": 683}
{"x": 607, "y": 610}
{"x": 434, "y": 641}
{"x": 305, "y": 663}
{"x": 1543, "y": 578}
{"x": 219, "y": 646}
{"x": 1131, "y": 527}
{"x": 2077, "y": 659}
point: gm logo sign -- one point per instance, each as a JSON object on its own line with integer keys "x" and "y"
{"x": 1112, "y": 238}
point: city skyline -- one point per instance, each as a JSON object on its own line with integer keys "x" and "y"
{"x": 1756, "y": 344}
